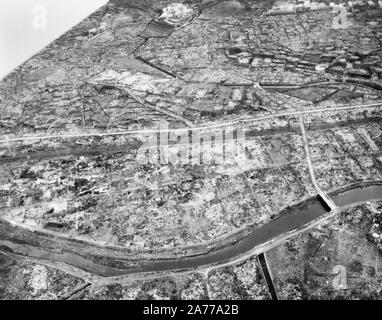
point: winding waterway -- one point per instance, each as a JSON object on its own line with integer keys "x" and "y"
{"x": 28, "y": 243}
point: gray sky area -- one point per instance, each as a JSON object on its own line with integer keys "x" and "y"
{"x": 27, "y": 26}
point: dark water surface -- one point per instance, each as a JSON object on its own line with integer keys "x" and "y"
{"x": 25, "y": 242}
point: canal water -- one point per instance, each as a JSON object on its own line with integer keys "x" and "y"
{"x": 289, "y": 221}
{"x": 292, "y": 219}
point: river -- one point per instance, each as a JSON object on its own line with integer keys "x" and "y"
{"x": 24, "y": 242}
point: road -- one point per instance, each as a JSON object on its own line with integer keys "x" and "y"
{"x": 323, "y": 195}
{"x": 200, "y": 128}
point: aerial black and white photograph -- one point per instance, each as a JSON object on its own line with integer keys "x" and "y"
{"x": 191, "y": 150}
